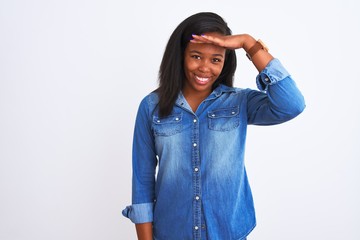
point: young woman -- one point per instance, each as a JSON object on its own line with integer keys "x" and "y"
{"x": 193, "y": 128}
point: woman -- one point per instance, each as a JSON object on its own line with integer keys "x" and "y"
{"x": 193, "y": 128}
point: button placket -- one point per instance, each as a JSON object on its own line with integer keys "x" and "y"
{"x": 196, "y": 179}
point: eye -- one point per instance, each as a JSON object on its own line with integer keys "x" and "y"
{"x": 216, "y": 60}
{"x": 195, "y": 56}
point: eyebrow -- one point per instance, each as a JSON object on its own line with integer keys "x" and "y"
{"x": 215, "y": 55}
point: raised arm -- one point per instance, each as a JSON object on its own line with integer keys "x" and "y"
{"x": 260, "y": 59}
{"x": 279, "y": 100}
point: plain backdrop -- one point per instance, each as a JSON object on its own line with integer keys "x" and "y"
{"x": 73, "y": 72}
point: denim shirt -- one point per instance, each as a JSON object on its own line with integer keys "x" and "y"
{"x": 188, "y": 168}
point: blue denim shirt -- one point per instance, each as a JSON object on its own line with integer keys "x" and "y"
{"x": 188, "y": 168}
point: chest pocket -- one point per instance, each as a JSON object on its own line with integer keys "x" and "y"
{"x": 168, "y": 125}
{"x": 224, "y": 119}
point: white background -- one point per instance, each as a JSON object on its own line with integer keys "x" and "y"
{"x": 73, "y": 72}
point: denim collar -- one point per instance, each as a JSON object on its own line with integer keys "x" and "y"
{"x": 220, "y": 90}
{"x": 217, "y": 92}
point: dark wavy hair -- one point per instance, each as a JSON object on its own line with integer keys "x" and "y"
{"x": 171, "y": 73}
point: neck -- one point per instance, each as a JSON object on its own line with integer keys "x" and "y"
{"x": 194, "y": 99}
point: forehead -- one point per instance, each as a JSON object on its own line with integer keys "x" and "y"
{"x": 205, "y": 48}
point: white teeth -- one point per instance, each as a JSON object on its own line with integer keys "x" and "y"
{"x": 202, "y": 79}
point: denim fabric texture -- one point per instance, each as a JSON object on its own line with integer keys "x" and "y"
{"x": 188, "y": 168}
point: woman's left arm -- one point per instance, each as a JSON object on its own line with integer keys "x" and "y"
{"x": 279, "y": 99}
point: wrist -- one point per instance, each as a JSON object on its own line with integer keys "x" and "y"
{"x": 256, "y": 48}
{"x": 249, "y": 42}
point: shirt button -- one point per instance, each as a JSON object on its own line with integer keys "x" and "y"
{"x": 195, "y": 121}
{"x": 197, "y": 198}
{"x": 194, "y": 144}
{"x": 196, "y": 169}
{"x": 213, "y": 115}
{"x": 158, "y": 121}
{"x": 177, "y": 119}
{"x": 267, "y": 79}
{"x": 196, "y": 228}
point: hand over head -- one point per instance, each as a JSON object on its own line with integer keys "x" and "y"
{"x": 231, "y": 42}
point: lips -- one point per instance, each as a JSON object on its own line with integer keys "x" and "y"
{"x": 202, "y": 80}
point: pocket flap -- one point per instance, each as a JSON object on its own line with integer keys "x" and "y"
{"x": 224, "y": 112}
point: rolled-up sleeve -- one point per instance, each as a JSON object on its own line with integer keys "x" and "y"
{"x": 273, "y": 73}
{"x": 278, "y": 100}
{"x": 139, "y": 213}
{"x": 144, "y": 163}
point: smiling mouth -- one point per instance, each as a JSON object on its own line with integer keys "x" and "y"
{"x": 202, "y": 80}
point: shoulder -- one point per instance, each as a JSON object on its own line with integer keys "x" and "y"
{"x": 233, "y": 91}
{"x": 151, "y": 98}
{"x": 237, "y": 94}
{"x": 149, "y": 102}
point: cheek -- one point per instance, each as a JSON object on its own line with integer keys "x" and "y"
{"x": 218, "y": 70}
{"x": 188, "y": 69}
{"x": 190, "y": 65}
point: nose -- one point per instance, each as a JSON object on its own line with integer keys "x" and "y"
{"x": 204, "y": 66}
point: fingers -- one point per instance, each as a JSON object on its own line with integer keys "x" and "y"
{"x": 207, "y": 39}
{"x": 199, "y": 39}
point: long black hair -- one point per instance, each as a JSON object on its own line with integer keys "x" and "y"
{"x": 171, "y": 73}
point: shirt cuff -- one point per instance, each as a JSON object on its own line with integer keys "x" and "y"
{"x": 273, "y": 73}
{"x": 139, "y": 213}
